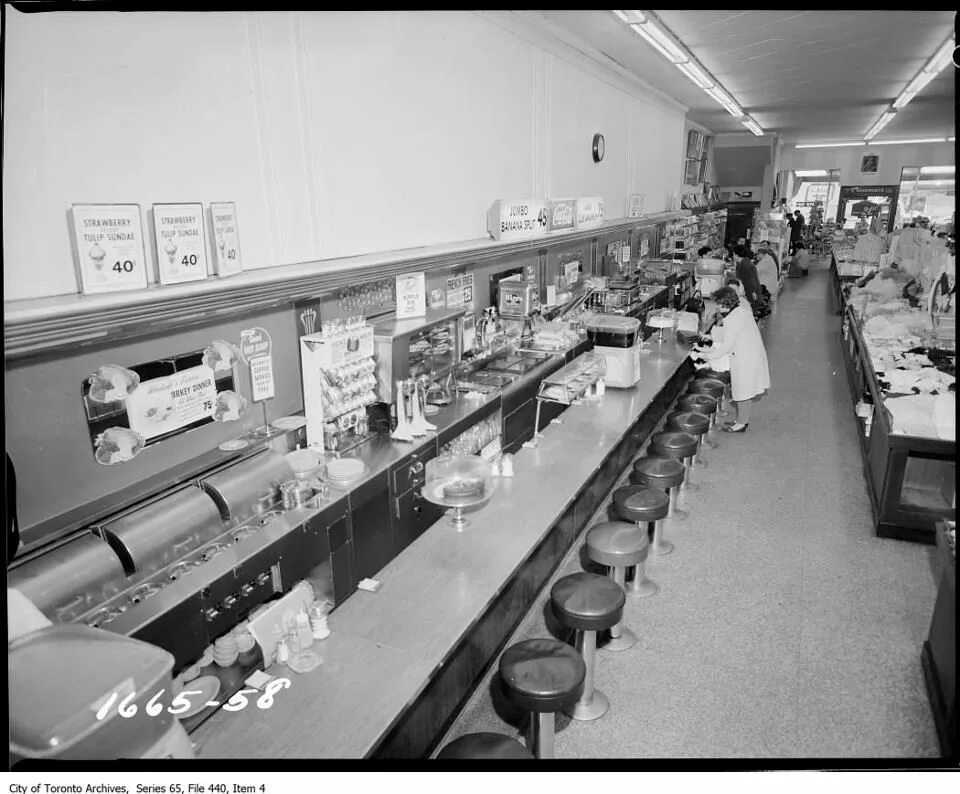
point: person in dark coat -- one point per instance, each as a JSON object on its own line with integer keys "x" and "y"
{"x": 748, "y": 276}
{"x": 796, "y": 229}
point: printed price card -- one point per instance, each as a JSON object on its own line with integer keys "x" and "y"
{"x": 589, "y": 212}
{"x": 226, "y": 240}
{"x": 261, "y": 377}
{"x": 411, "y": 295}
{"x": 460, "y": 291}
{"x": 110, "y": 254}
{"x": 518, "y": 219}
{"x": 181, "y": 250}
{"x": 255, "y": 342}
{"x": 635, "y": 206}
{"x": 162, "y": 405}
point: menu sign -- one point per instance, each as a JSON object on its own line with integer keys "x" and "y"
{"x": 261, "y": 378}
{"x": 226, "y": 241}
{"x": 635, "y": 206}
{"x": 255, "y": 342}
{"x": 589, "y": 212}
{"x": 518, "y": 219}
{"x": 110, "y": 254}
{"x": 460, "y": 291}
{"x": 411, "y": 295}
{"x": 181, "y": 250}
{"x": 562, "y": 212}
{"x": 162, "y": 405}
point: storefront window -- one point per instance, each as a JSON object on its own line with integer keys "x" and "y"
{"x": 927, "y": 192}
{"x": 816, "y": 194}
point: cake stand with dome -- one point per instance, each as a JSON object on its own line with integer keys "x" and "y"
{"x": 458, "y": 482}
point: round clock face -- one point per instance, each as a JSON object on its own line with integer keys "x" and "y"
{"x": 599, "y": 148}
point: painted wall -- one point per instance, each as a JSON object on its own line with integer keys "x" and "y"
{"x": 847, "y": 159}
{"x": 337, "y": 133}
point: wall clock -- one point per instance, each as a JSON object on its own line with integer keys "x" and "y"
{"x": 599, "y": 147}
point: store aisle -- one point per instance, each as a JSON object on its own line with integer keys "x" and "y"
{"x": 783, "y": 628}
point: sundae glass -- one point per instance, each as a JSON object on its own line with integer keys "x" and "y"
{"x": 97, "y": 255}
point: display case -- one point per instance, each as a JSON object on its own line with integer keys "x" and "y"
{"x": 911, "y": 479}
{"x": 568, "y": 384}
{"x": 939, "y": 655}
{"x": 428, "y": 345}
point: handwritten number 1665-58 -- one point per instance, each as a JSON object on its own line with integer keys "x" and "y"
{"x": 181, "y": 702}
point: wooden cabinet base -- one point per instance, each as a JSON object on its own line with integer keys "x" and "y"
{"x": 944, "y": 714}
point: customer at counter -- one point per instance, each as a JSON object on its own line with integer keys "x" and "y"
{"x": 748, "y": 276}
{"x": 738, "y": 336}
{"x": 767, "y": 271}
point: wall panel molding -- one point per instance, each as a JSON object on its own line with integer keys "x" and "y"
{"x": 49, "y": 325}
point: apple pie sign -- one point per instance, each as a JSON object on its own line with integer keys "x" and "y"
{"x": 256, "y": 349}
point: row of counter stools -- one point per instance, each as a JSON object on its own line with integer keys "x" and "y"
{"x": 546, "y": 676}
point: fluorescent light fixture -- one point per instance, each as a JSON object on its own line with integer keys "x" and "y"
{"x": 695, "y": 73}
{"x": 661, "y": 42}
{"x": 938, "y": 169}
{"x": 951, "y": 139}
{"x": 721, "y": 96}
{"x": 906, "y": 95}
{"x": 918, "y": 83}
{"x": 632, "y": 17}
{"x": 912, "y": 140}
{"x": 826, "y": 145}
{"x": 811, "y": 173}
{"x": 942, "y": 57}
{"x": 751, "y": 125}
{"x": 881, "y": 122}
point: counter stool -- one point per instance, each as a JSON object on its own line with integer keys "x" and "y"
{"x": 724, "y": 378}
{"x": 665, "y": 473}
{"x": 588, "y": 603}
{"x": 619, "y": 546}
{"x": 484, "y": 745}
{"x": 701, "y": 403}
{"x": 542, "y": 676}
{"x": 674, "y": 444}
{"x": 645, "y": 506}
{"x": 697, "y": 425}
{"x": 715, "y": 388}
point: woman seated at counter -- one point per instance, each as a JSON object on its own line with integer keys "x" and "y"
{"x": 736, "y": 334}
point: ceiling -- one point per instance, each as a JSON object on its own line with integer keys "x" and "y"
{"x": 809, "y": 76}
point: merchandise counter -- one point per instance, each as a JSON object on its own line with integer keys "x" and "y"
{"x": 911, "y": 478}
{"x": 400, "y": 662}
{"x": 939, "y": 655}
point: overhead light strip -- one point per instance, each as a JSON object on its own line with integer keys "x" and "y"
{"x": 646, "y": 25}
{"x": 933, "y": 67}
{"x": 911, "y": 140}
{"x": 827, "y": 145}
{"x": 880, "y": 123}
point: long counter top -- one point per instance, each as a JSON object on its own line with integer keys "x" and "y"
{"x": 386, "y": 646}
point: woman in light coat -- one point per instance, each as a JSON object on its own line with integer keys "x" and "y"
{"x": 741, "y": 340}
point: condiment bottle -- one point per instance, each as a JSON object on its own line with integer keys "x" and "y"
{"x": 318, "y": 621}
{"x": 601, "y": 387}
{"x": 283, "y": 651}
{"x": 304, "y": 634}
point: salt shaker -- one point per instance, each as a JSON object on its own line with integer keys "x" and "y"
{"x": 506, "y": 465}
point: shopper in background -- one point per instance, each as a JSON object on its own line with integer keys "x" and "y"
{"x": 770, "y": 250}
{"x": 801, "y": 260}
{"x": 740, "y": 339}
{"x": 796, "y": 229}
{"x": 767, "y": 271}
{"x": 747, "y": 275}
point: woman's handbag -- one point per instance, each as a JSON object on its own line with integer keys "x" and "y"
{"x": 695, "y": 304}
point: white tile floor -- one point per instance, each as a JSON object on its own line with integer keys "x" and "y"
{"x": 784, "y": 628}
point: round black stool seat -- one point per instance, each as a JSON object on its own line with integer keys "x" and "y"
{"x": 696, "y": 424}
{"x": 700, "y": 403}
{"x": 715, "y": 388}
{"x": 543, "y": 675}
{"x": 484, "y": 745}
{"x": 702, "y": 374}
{"x": 674, "y": 444}
{"x": 657, "y": 472}
{"x": 640, "y": 503}
{"x": 587, "y": 601}
{"x": 617, "y": 544}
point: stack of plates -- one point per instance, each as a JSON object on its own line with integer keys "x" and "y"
{"x": 344, "y": 471}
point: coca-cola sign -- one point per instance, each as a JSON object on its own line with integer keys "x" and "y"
{"x": 562, "y": 214}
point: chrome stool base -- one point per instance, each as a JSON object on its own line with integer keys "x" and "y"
{"x": 594, "y": 710}
{"x": 627, "y": 639}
